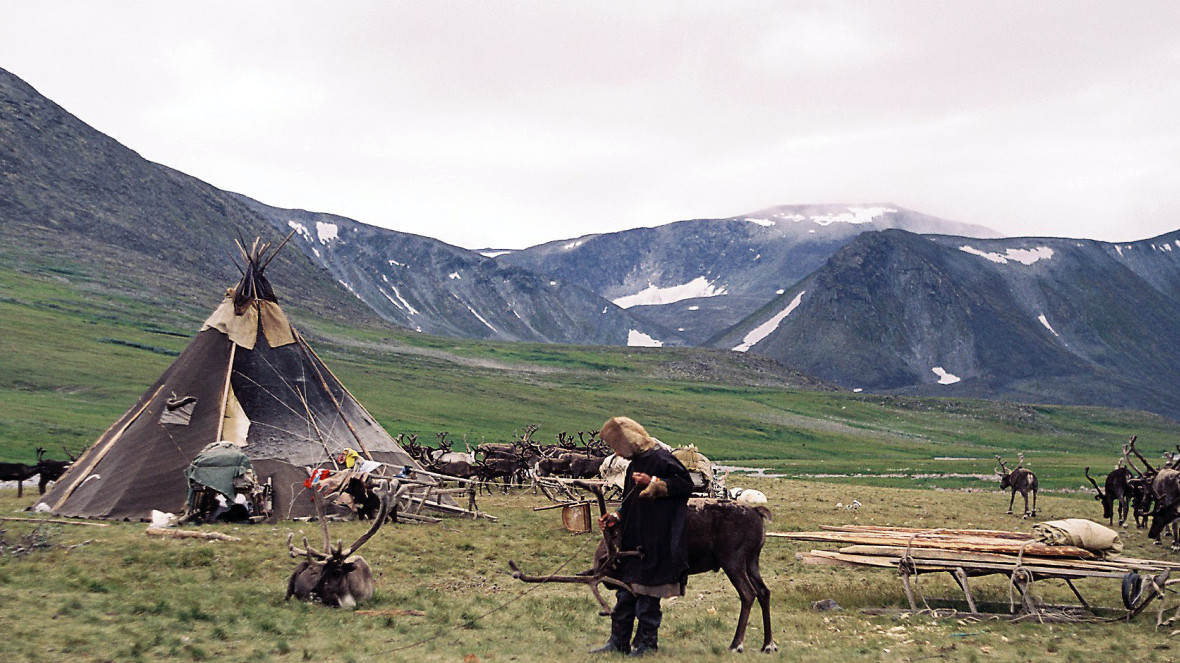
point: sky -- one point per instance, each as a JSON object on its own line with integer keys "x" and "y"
{"x": 506, "y": 124}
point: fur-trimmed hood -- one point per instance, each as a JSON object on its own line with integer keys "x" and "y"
{"x": 626, "y": 437}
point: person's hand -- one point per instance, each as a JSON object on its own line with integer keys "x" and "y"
{"x": 609, "y": 520}
{"x": 641, "y": 479}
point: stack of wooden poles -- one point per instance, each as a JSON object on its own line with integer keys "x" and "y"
{"x": 964, "y": 553}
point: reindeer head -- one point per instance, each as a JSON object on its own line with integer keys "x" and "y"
{"x": 1003, "y": 473}
{"x": 338, "y": 577}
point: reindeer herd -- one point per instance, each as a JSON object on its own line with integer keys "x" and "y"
{"x": 1151, "y": 495}
{"x": 512, "y": 464}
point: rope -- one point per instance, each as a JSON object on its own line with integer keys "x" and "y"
{"x": 1023, "y": 573}
{"x": 907, "y": 566}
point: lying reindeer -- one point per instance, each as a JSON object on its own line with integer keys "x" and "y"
{"x": 720, "y": 535}
{"x": 338, "y": 577}
{"x": 1020, "y": 479}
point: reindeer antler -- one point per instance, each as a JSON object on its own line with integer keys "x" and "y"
{"x": 378, "y": 521}
{"x": 1001, "y": 470}
{"x": 307, "y": 550}
{"x": 1019, "y": 459}
{"x": 1099, "y": 496}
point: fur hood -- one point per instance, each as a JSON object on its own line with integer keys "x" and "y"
{"x": 626, "y": 437}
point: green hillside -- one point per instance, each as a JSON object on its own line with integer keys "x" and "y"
{"x": 74, "y": 355}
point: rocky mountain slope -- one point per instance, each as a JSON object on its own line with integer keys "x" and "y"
{"x": 699, "y": 277}
{"x": 76, "y": 199}
{"x": 1032, "y": 319}
{"x": 432, "y": 287}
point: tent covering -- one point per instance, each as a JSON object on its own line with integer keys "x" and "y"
{"x": 248, "y": 377}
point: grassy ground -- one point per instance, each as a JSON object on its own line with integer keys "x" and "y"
{"x": 128, "y": 597}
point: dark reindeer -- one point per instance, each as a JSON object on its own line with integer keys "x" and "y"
{"x": 48, "y": 469}
{"x": 1020, "y": 479}
{"x": 1144, "y": 481}
{"x": 720, "y": 535}
{"x": 17, "y": 472}
{"x": 338, "y": 578}
{"x": 1120, "y": 489}
{"x": 1165, "y": 489}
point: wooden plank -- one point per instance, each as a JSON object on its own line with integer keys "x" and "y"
{"x": 932, "y": 565}
{"x": 965, "y": 543}
{"x": 971, "y": 556}
{"x": 999, "y": 534}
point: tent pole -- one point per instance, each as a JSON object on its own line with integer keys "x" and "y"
{"x": 229, "y": 371}
{"x": 324, "y": 383}
{"x": 316, "y": 428}
{"x": 99, "y": 455}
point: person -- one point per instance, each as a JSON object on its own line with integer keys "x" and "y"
{"x": 651, "y": 518}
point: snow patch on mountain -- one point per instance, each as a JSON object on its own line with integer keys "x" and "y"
{"x": 494, "y": 253}
{"x": 638, "y": 339}
{"x": 944, "y": 377}
{"x": 763, "y": 330}
{"x": 653, "y": 294}
{"x": 1045, "y": 321}
{"x": 1022, "y": 256}
{"x": 481, "y": 318}
{"x": 854, "y": 215}
{"x": 299, "y": 228}
{"x": 326, "y": 231}
{"x": 404, "y": 304}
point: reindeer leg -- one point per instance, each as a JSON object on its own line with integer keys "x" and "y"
{"x": 1011, "y": 501}
{"x": 763, "y": 594}
{"x": 1034, "y": 511}
{"x": 746, "y": 592}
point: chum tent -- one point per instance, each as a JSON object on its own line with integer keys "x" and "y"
{"x": 249, "y": 378}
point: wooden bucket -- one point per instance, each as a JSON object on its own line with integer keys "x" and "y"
{"x": 576, "y": 517}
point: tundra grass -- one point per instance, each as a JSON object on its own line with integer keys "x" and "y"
{"x": 444, "y": 592}
{"x": 73, "y": 357}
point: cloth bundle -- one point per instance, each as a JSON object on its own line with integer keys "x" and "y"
{"x": 1081, "y": 533}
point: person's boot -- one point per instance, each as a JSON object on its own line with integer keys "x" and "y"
{"x": 643, "y": 649}
{"x": 622, "y": 619}
{"x": 612, "y": 646}
{"x": 647, "y": 628}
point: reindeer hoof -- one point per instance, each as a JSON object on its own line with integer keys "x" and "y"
{"x": 1009, "y": 512}
{"x": 769, "y": 648}
{"x": 738, "y": 649}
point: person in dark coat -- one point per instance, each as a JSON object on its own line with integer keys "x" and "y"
{"x": 652, "y": 516}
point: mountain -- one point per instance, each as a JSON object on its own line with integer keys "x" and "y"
{"x": 702, "y": 276}
{"x": 1030, "y": 319}
{"x": 432, "y": 287}
{"x": 78, "y": 201}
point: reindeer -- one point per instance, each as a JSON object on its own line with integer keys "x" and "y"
{"x": 338, "y": 577}
{"x": 1165, "y": 489}
{"x": 51, "y": 470}
{"x": 1145, "y": 482}
{"x": 1020, "y": 479}
{"x": 1121, "y": 488}
{"x": 17, "y": 472}
{"x": 719, "y": 535}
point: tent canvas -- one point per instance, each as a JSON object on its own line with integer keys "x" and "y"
{"x": 247, "y": 377}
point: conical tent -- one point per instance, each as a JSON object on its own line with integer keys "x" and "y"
{"x": 247, "y": 377}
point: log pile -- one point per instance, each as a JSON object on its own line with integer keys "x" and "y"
{"x": 965, "y": 553}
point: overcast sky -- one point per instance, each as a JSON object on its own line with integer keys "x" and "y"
{"x": 506, "y": 124}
